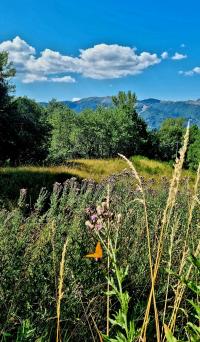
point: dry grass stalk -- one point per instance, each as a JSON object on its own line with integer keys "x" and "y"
{"x": 108, "y": 268}
{"x": 179, "y": 294}
{"x": 86, "y": 316}
{"x": 173, "y": 230}
{"x": 191, "y": 209}
{"x": 181, "y": 287}
{"x": 97, "y": 330}
{"x": 60, "y": 290}
{"x": 143, "y": 201}
{"x": 174, "y": 185}
{"x": 53, "y": 231}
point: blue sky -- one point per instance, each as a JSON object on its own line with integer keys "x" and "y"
{"x": 73, "y": 49}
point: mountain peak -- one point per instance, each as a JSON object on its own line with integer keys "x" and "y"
{"x": 150, "y": 101}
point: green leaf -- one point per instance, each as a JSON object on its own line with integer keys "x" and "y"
{"x": 193, "y": 329}
{"x": 6, "y": 334}
{"x": 196, "y": 307}
{"x": 194, "y": 287}
{"x": 169, "y": 335}
{"x": 195, "y": 261}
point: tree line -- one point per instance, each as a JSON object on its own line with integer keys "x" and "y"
{"x": 33, "y": 134}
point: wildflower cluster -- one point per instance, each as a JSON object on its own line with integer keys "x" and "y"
{"x": 98, "y": 215}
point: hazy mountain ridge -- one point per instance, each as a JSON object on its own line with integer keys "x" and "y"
{"x": 153, "y": 111}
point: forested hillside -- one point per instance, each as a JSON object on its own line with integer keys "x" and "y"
{"x": 153, "y": 111}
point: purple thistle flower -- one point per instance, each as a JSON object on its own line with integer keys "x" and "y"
{"x": 93, "y": 218}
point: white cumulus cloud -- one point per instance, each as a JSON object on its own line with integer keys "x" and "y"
{"x": 19, "y": 52}
{"x": 30, "y": 78}
{"x": 64, "y": 79}
{"x": 178, "y": 56}
{"x": 101, "y": 61}
{"x": 114, "y": 61}
{"x": 164, "y": 55}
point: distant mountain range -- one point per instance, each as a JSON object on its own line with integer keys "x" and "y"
{"x": 152, "y": 110}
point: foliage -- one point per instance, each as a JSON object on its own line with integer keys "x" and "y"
{"x": 153, "y": 111}
{"x": 30, "y": 132}
{"x": 24, "y": 133}
{"x": 192, "y": 327}
{"x": 170, "y": 137}
{"x": 104, "y": 132}
{"x": 99, "y": 133}
{"x": 6, "y": 72}
{"x": 31, "y": 244}
{"x": 193, "y": 156}
{"x": 124, "y": 328}
{"x": 63, "y": 122}
{"x": 126, "y": 102}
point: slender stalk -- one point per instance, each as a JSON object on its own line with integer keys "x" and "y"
{"x": 192, "y": 206}
{"x": 53, "y": 230}
{"x": 108, "y": 268}
{"x": 165, "y": 222}
{"x": 108, "y": 289}
{"x": 143, "y": 201}
{"x": 173, "y": 230}
{"x": 181, "y": 288}
{"x": 179, "y": 294}
{"x": 60, "y": 290}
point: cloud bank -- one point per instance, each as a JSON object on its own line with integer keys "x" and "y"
{"x": 99, "y": 62}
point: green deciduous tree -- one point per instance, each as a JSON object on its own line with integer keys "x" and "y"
{"x": 23, "y": 130}
{"x": 103, "y": 133}
{"x": 6, "y": 139}
{"x": 125, "y": 101}
{"x": 6, "y": 72}
{"x": 64, "y": 126}
{"x": 193, "y": 155}
{"x": 99, "y": 133}
{"x": 137, "y": 128}
{"x": 170, "y": 137}
{"x": 30, "y": 131}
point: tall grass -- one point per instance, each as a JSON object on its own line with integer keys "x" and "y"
{"x": 60, "y": 290}
{"x": 173, "y": 189}
{"x": 50, "y": 292}
{"x": 143, "y": 202}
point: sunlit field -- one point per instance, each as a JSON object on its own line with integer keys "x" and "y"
{"x": 33, "y": 178}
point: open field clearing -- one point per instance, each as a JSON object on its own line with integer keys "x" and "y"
{"x": 34, "y": 178}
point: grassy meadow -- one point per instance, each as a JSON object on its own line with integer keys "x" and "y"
{"x": 148, "y": 224}
{"x": 33, "y": 178}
